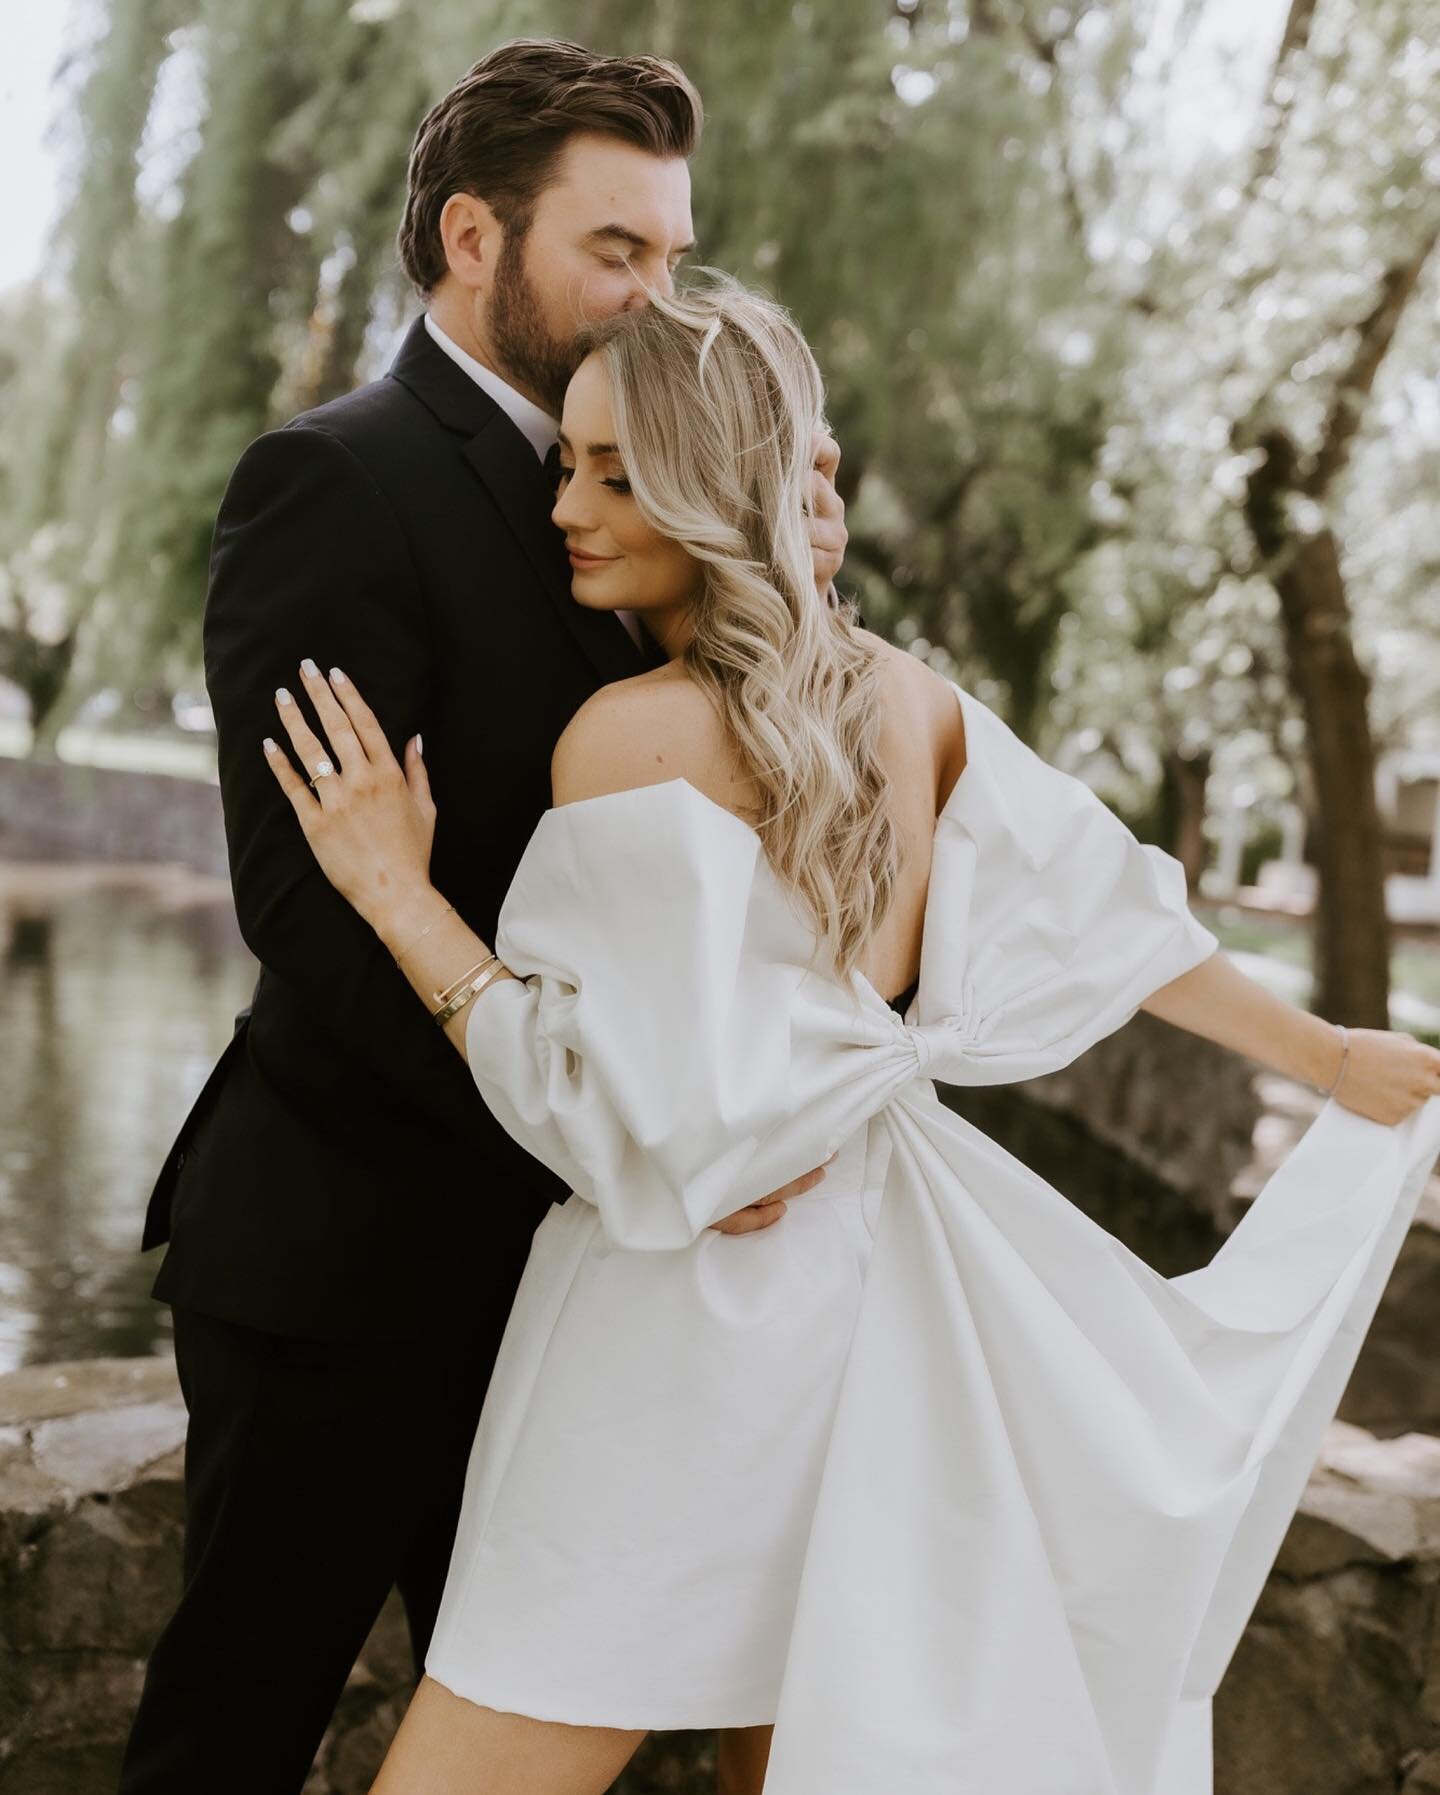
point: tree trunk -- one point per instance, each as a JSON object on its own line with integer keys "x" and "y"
{"x": 1351, "y": 932}
{"x": 1182, "y": 811}
{"x": 40, "y": 669}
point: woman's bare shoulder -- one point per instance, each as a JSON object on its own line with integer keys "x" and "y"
{"x": 635, "y": 732}
{"x": 919, "y": 702}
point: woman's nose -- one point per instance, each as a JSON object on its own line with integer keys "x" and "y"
{"x": 567, "y": 514}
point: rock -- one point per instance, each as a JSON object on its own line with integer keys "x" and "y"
{"x": 91, "y": 1528}
{"x": 1335, "y": 1687}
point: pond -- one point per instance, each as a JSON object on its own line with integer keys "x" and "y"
{"x": 118, "y": 990}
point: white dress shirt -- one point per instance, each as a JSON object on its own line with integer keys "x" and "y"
{"x": 538, "y": 428}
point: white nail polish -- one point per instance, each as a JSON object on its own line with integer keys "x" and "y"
{"x": 419, "y": 744}
{"x": 337, "y": 677}
{"x": 281, "y": 695}
{"x": 308, "y": 668}
{"x": 269, "y": 745}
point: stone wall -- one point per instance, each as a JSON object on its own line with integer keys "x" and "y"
{"x": 1334, "y": 1690}
{"x": 52, "y": 810}
{"x": 91, "y": 1511}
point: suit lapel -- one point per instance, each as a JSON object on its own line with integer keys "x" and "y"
{"x": 507, "y": 466}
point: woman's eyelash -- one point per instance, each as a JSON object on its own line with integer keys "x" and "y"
{"x": 563, "y": 473}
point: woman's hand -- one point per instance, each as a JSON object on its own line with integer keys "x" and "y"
{"x": 1388, "y": 1075}
{"x": 370, "y": 821}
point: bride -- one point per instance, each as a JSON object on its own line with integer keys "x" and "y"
{"x": 934, "y": 1487}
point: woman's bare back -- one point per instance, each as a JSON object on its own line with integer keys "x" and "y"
{"x": 661, "y": 726}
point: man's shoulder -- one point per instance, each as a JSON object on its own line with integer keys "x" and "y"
{"x": 371, "y": 421}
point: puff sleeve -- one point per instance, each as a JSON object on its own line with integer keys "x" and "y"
{"x": 666, "y": 1049}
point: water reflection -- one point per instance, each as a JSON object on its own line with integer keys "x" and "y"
{"x": 118, "y": 989}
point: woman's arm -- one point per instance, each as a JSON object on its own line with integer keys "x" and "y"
{"x": 1386, "y": 1076}
{"x": 370, "y": 824}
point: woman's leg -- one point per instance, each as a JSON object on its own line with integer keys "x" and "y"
{"x": 744, "y": 1752}
{"x": 446, "y": 1745}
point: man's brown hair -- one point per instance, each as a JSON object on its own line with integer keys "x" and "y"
{"x": 499, "y": 132}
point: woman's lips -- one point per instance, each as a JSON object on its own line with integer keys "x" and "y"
{"x": 580, "y": 561}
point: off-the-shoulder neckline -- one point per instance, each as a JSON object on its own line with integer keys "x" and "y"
{"x": 964, "y": 698}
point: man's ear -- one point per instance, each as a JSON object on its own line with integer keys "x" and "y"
{"x": 471, "y": 235}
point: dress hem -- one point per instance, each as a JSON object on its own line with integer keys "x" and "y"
{"x": 690, "y": 1724}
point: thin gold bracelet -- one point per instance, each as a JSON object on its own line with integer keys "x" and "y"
{"x": 473, "y": 989}
{"x": 1344, "y": 1057}
{"x": 424, "y": 932}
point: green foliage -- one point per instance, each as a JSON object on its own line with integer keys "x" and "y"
{"x": 1051, "y": 332}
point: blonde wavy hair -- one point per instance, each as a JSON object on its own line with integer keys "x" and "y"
{"x": 716, "y": 399}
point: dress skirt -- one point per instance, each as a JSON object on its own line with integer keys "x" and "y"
{"x": 644, "y": 1474}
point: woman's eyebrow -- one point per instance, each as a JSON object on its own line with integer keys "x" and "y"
{"x": 596, "y": 449}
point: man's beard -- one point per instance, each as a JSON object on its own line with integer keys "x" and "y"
{"x": 519, "y": 336}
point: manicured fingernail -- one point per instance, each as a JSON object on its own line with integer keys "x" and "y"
{"x": 269, "y": 746}
{"x": 337, "y": 676}
{"x": 281, "y": 695}
{"x": 308, "y": 668}
{"x": 419, "y": 745}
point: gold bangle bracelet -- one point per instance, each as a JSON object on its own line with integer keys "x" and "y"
{"x": 488, "y": 976}
{"x": 443, "y": 997}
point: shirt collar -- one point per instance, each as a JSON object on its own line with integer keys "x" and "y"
{"x": 538, "y": 428}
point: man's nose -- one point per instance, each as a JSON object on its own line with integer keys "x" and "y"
{"x": 646, "y": 281}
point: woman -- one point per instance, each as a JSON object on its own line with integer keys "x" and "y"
{"x": 935, "y": 1477}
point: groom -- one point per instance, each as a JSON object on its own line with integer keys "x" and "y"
{"x": 346, "y": 1222}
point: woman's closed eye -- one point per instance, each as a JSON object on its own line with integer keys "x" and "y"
{"x": 615, "y": 482}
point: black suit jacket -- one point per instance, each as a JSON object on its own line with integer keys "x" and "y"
{"x": 339, "y": 1175}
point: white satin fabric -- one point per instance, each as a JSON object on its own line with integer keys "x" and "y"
{"x": 935, "y": 1474}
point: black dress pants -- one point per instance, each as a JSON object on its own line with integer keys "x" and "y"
{"x": 317, "y": 1476}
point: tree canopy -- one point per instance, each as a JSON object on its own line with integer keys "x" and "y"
{"x": 1130, "y": 340}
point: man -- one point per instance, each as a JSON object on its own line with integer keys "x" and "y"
{"x": 346, "y": 1222}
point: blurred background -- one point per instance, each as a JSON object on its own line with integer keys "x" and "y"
{"x": 1130, "y": 314}
{"x": 1129, "y": 311}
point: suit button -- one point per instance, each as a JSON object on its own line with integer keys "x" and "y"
{"x": 179, "y": 1159}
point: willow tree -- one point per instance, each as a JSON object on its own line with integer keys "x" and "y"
{"x": 279, "y": 215}
{"x": 69, "y": 361}
{"x": 1052, "y": 354}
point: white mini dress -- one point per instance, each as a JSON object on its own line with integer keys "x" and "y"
{"x": 935, "y": 1474}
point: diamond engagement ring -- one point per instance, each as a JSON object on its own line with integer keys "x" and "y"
{"x": 321, "y": 771}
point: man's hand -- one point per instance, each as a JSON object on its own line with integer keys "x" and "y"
{"x": 828, "y": 534}
{"x": 768, "y": 1210}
